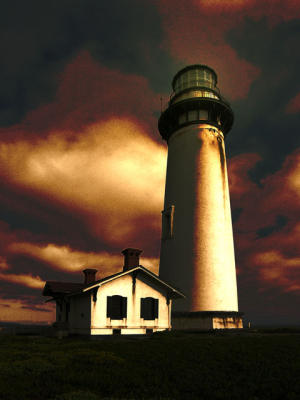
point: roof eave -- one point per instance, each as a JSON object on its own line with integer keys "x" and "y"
{"x": 48, "y": 300}
{"x": 140, "y": 268}
{"x": 175, "y": 293}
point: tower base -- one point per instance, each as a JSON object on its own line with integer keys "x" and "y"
{"x": 207, "y": 320}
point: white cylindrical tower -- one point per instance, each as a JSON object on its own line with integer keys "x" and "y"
{"x": 197, "y": 252}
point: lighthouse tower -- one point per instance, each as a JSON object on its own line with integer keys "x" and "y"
{"x": 197, "y": 252}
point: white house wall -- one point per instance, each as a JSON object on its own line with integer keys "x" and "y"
{"x": 80, "y": 313}
{"x": 133, "y": 324}
{"x": 59, "y": 311}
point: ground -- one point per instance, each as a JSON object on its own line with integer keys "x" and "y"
{"x": 250, "y": 365}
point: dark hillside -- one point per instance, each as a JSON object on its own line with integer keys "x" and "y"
{"x": 220, "y": 365}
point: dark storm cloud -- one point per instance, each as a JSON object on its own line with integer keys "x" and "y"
{"x": 266, "y": 307}
{"x": 262, "y": 124}
{"x": 280, "y": 222}
{"x": 75, "y": 63}
{"x": 89, "y": 92}
{"x": 33, "y": 308}
{"x": 266, "y": 234}
{"x": 10, "y": 290}
{"x": 37, "y": 219}
{"x": 266, "y": 225}
{"x": 38, "y": 38}
{"x": 22, "y": 264}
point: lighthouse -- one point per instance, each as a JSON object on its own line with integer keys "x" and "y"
{"x": 197, "y": 250}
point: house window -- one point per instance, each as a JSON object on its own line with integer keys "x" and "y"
{"x": 116, "y": 307}
{"x": 149, "y": 308}
{"x": 168, "y": 223}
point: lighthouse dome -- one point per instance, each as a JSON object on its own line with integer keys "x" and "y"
{"x": 194, "y": 76}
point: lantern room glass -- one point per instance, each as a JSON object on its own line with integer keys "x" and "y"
{"x": 199, "y": 76}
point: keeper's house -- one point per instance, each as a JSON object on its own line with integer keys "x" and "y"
{"x": 133, "y": 301}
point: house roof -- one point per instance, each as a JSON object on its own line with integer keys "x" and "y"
{"x": 53, "y": 288}
{"x": 175, "y": 293}
{"x": 56, "y": 289}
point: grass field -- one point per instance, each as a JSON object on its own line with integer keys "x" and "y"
{"x": 165, "y": 366}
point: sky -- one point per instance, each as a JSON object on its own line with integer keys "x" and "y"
{"x": 82, "y": 164}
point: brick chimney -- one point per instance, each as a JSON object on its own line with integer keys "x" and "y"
{"x": 131, "y": 258}
{"x": 89, "y": 275}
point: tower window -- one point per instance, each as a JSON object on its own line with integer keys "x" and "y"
{"x": 149, "y": 308}
{"x": 193, "y": 115}
{"x": 168, "y": 223}
{"x": 203, "y": 114}
{"x": 182, "y": 118}
{"x": 116, "y": 307}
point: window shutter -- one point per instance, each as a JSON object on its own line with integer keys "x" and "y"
{"x": 168, "y": 223}
{"x": 109, "y": 306}
{"x": 155, "y": 308}
{"x": 142, "y": 308}
{"x": 124, "y": 307}
{"x": 116, "y": 307}
{"x": 149, "y": 308}
{"x": 67, "y": 311}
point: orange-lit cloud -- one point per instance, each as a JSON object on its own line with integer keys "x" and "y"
{"x": 3, "y": 264}
{"x": 276, "y": 194}
{"x": 18, "y": 310}
{"x": 88, "y": 157}
{"x": 225, "y": 3}
{"x": 89, "y": 92}
{"x": 228, "y": 14}
{"x": 33, "y": 282}
{"x": 278, "y": 270}
{"x": 238, "y": 178}
{"x": 274, "y": 10}
{"x": 113, "y": 174}
{"x": 68, "y": 260}
{"x": 269, "y": 251}
{"x": 196, "y": 33}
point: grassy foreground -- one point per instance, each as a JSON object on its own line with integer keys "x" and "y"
{"x": 164, "y": 366}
